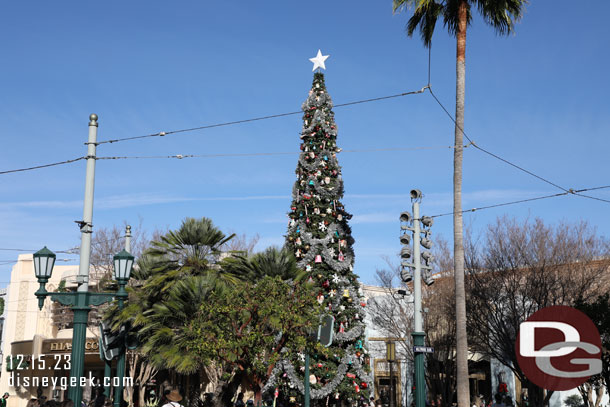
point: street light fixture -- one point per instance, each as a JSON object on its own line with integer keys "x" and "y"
{"x": 44, "y": 260}
{"x": 123, "y": 264}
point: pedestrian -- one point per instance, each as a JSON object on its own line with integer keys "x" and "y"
{"x": 100, "y": 398}
{"x": 173, "y": 399}
{"x": 3, "y": 400}
{"x": 240, "y": 400}
{"x": 499, "y": 401}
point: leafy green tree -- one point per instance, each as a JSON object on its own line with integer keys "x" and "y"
{"x": 597, "y": 309}
{"x": 573, "y": 400}
{"x": 247, "y": 329}
{"x": 456, "y": 15}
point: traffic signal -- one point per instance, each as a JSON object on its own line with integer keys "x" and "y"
{"x": 405, "y": 275}
{"x": 406, "y": 221}
{"x": 111, "y": 343}
{"x": 325, "y": 330}
{"x": 131, "y": 338}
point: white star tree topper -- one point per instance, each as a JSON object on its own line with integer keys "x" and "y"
{"x": 318, "y": 61}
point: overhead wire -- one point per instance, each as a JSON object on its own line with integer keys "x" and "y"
{"x": 182, "y": 156}
{"x": 488, "y": 152}
{"x": 568, "y": 192}
{"x": 42, "y": 166}
{"x": 273, "y": 116}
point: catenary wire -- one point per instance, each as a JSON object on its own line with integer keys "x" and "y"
{"x": 42, "y": 166}
{"x": 181, "y": 156}
{"x": 273, "y": 116}
{"x": 568, "y": 192}
{"x": 488, "y": 152}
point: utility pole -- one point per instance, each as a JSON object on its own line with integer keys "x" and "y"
{"x": 81, "y": 307}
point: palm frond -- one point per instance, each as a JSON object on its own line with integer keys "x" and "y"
{"x": 501, "y": 14}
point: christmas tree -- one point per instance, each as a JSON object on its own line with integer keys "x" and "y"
{"x": 320, "y": 238}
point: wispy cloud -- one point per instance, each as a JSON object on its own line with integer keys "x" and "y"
{"x": 431, "y": 200}
{"x": 131, "y": 200}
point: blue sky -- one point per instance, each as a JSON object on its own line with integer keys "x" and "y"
{"x": 538, "y": 98}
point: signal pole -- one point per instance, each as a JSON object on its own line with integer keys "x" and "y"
{"x": 412, "y": 223}
{"x": 418, "y": 330}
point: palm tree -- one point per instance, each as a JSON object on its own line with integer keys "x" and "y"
{"x": 501, "y": 15}
{"x": 273, "y": 262}
{"x": 172, "y": 279}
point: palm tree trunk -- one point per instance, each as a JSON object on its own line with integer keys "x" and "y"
{"x": 463, "y": 390}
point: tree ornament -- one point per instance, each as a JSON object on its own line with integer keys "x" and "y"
{"x": 339, "y": 217}
{"x": 327, "y": 180}
{"x": 326, "y": 284}
{"x": 322, "y": 226}
{"x": 341, "y": 328}
{"x": 329, "y": 211}
{"x": 318, "y": 258}
{"x": 298, "y": 241}
{"x": 316, "y": 210}
{"x": 335, "y": 278}
{"x": 307, "y": 220}
{"x": 332, "y": 293}
{"x": 308, "y": 268}
{"x": 341, "y": 257}
{"x": 320, "y": 298}
{"x": 298, "y": 253}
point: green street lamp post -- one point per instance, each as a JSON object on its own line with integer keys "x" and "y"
{"x": 80, "y": 302}
{"x": 391, "y": 358}
{"x": 123, "y": 263}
